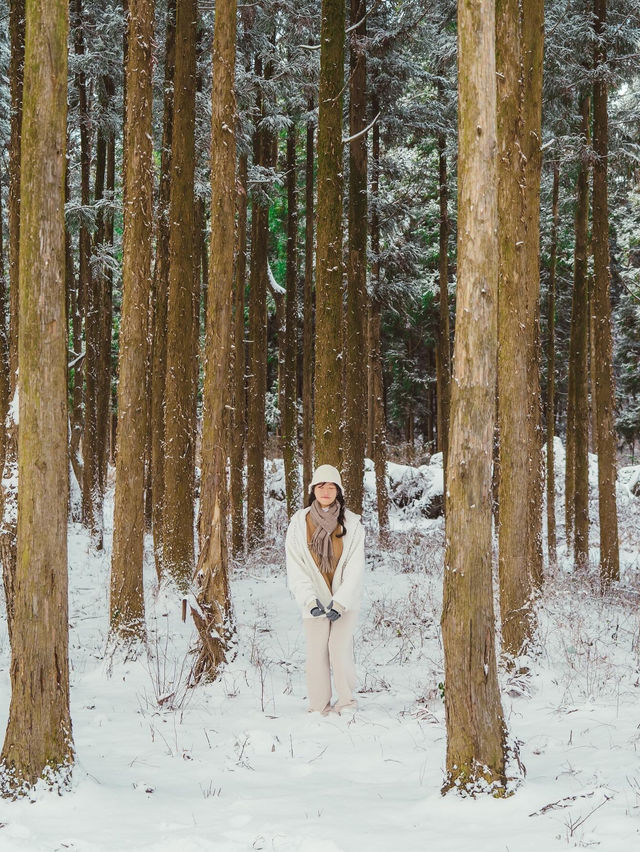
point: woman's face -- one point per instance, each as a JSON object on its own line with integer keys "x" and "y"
{"x": 325, "y": 493}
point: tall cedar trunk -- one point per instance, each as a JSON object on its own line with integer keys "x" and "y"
{"x": 257, "y": 368}
{"x": 443, "y": 359}
{"x": 127, "y": 599}
{"x": 16, "y": 79}
{"x": 602, "y": 364}
{"x": 105, "y": 414}
{"x": 4, "y": 345}
{"x": 551, "y": 373}
{"x": 38, "y": 742}
{"x": 177, "y": 531}
{"x": 90, "y": 288}
{"x": 104, "y": 238}
{"x": 8, "y": 528}
{"x": 578, "y": 466}
{"x": 307, "y": 321}
{"x": 289, "y": 411}
{"x": 328, "y": 338}
{"x": 356, "y": 320}
{"x": 161, "y": 290}
{"x": 519, "y": 37}
{"x": 377, "y": 437}
{"x": 239, "y": 393}
{"x": 475, "y": 725}
{"x": 213, "y": 615}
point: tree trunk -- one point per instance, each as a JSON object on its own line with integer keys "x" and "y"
{"x": 104, "y": 238}
{"x": 578, "y": 487}
{"x": 89, "y": 286}
{"x": 161, "y": 291}
{"x": 212, "y": 619}
{"x": 603, "y": 363}
{"x": 127, "y": 598}
{"x": 38, "y": 742}
{"x": 289, "y": 410}
{"x": 551, "y": 374}
{"x": 356, "y": 319}
{"x": 177, "y": 532}
{"x": 443, "y": 359}
{"x": 519, "y": 66}
{"x": 239, "y": 366}
{"x": 475, "y": 727}
{"x": 328, "y": 349}
{"x": 16, "y": 81}
{"x": 376, "y": 419}
{"x": 307, "y": 332}
{"x": 257, "y": 368}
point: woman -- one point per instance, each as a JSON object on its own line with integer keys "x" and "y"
{"x": 325, "y": 567}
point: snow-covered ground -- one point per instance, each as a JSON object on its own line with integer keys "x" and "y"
{"x": 239, "y": 764}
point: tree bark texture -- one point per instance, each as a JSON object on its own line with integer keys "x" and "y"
{"x": 551, "y": 373}
{"x": 444, "y": 351}
{"x": 212, "y": 618}
{"x": 376, "y": 421}
{"x": 16, "y": 81}
{"x": 127, "y": 598}
{"x": 38, "y": 741}
{"x": 239, "y": 365}
{"x": 89, "y": 285}
{"x": 475, "y": 725}
{"x": 307, "y": 318}
{"x": 602, "y": 364}
{"x": 519, "y": 41}
{"x": 289, "y": 410}
{"x": 161, "y": 291}
{"x": 178, "y": 516}
{"x": 578, "y": 486}
{"x": 257, "y": 367}
{"x": 328, "y": 338}
{"x": 356, "y": 320}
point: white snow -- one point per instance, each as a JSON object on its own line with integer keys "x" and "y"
{"x": 240, "y": 765}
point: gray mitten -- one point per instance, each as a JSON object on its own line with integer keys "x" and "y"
{"x": 318, "y": 609}
{"x": 332, "y": 613}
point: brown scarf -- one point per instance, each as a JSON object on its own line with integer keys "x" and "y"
{"x": 325, "y": 523}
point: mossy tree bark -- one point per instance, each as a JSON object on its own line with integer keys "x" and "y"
{"x": 239, "y": 365}
{"x": 38, "y": 741}
{"x": 475, "y": 726}
{"x": 160, "y": 293}
{"x": 551, "y": 372}
{"x": 307, "y": 316}
{"x": 177, "y": 517}
{"x": 127, "y": 597}
{"x": 328, "y": 337}
{"x": 602, "y": 364}
{"x": 577, "y": 473}
{"x": 356, "y": 319}
{"x": 519, "y": 43}
{"x": 289, "y": 410}
{"x": 212, "y": 618}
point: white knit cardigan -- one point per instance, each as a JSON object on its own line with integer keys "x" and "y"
{"x": 305, "y": 580}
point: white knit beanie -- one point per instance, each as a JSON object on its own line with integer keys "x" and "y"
{"x": 326, "y": 473}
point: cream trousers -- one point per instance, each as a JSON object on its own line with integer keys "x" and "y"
{"x": 330, "y": 649}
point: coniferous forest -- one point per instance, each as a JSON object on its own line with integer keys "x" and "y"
{"x": 239, "y": 241}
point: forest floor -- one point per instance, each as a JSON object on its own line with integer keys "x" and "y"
{"x": 240, "y": 765}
